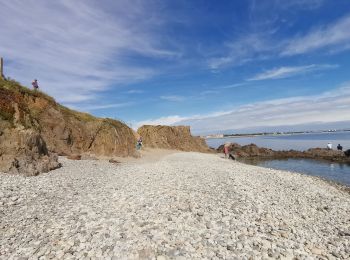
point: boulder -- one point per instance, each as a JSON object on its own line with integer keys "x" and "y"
{"x": 24, "y": 152}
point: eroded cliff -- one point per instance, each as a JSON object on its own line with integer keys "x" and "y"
{"x": 62, "y": 130}
{"x": 171, "y": 137}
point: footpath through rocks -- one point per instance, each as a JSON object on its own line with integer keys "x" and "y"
{"x": 185, "y": 206}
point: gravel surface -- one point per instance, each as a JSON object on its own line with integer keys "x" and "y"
{"x": 185, "y": 206}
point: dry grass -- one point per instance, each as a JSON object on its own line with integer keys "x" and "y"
{"x": 16, "y": 87}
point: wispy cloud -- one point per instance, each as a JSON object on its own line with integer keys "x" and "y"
{"x": 99, "y": 107}
{"x": 242, "y": 50}
{"x": 331, "y": 106}
{"x": 235, "y": 85}
{"x": 301, "y": 4}
{"x": 285, "y": 72}
{"x": 256, "y": 46}
{"x": 167, "y": 120}
{"x": 77, "y": 48}
{"x": 173, "y": 98}
{"x": 334, "y": 35}
{"x": 209, "y": 92}
{"x": 135, "y": 91}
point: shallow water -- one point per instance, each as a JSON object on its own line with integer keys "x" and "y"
{"x": 339, "y": 172}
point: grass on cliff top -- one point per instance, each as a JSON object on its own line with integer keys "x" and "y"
{"x": 16, "y": 87}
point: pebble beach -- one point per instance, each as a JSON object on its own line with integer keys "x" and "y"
{"x": 182, "y": 206}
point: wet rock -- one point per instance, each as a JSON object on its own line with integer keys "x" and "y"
{"x": 253, "y": 151}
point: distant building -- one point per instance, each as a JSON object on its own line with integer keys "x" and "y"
{"x": 215, "y": 136}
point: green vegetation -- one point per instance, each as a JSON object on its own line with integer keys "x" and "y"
{"x": 15, "y": 86}
{"x": 79, "y": 115}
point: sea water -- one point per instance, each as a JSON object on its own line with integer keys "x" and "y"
{"x": 287, "y": 142}
{"x": 339, "y": 172}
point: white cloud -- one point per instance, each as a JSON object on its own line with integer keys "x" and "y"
{"x": 135, "y": 91}
{"x": 331, "y": 106}
{"x": 253, "y": 46}
{"x": 334, "y": 35}
{"x": 167, "y": 120}
{"x": 285, "y": 72}
{"x": 77, "y": 48}
{"x": 236, "y": 85}
{"x": 173, "y": 98}
{"x": 88, "y": 108}
{"x": 302, "y": 4}
{"x": 242, "y": 50}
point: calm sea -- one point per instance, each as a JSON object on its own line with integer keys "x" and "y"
{"x": 339, "y": 172}
{"x": 287, "y": 142}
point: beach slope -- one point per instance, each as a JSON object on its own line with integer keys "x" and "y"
{"x": 182, "y": 206}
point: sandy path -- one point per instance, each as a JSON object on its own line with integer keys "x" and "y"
{"x": 183, "y": 206}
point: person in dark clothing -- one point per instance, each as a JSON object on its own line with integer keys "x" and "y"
{"x": 347, "y": 153}
{"x": 339, "y": 147}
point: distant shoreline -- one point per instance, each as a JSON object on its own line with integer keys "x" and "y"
{"x": 274, "y": 134}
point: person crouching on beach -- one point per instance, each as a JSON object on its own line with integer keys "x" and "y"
{"x": 226, "y": 152}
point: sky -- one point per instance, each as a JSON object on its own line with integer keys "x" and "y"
{"x": 217, "y": 66}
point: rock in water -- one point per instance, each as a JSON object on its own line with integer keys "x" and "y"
{"x": 253, "y": 151}
{"x": 25, "y": 152}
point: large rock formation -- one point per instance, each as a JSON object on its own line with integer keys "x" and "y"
{"x": 63, "y": 130}
{"x": 25, "y": 152}
{"x": 253, "y": 151}
{"x": 171, "y": 137}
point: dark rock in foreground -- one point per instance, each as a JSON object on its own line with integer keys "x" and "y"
{"x": 24, "y": 152}
{"x": 34, "y": 127}
{"x": 253, "y": 151}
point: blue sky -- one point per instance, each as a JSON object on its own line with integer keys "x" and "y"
{"x": 214, "y": 65}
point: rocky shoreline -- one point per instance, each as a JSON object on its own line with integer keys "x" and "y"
{"x": 253, "y": 151}
{"x": 184, "y": 206}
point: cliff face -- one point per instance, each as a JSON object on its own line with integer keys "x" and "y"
{"x": 25, "y": 152}
{"x": 63, "y": 131}
{"x": 171, "y": 137}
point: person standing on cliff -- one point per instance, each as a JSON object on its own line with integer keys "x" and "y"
{"x": 35, "y": 84}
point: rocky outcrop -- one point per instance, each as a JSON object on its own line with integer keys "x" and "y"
{"x": 171, "y": 137}
{"x": 24, "y": 152}
{"x": 62, "y": 130}
{"x": 253, "y": 151}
